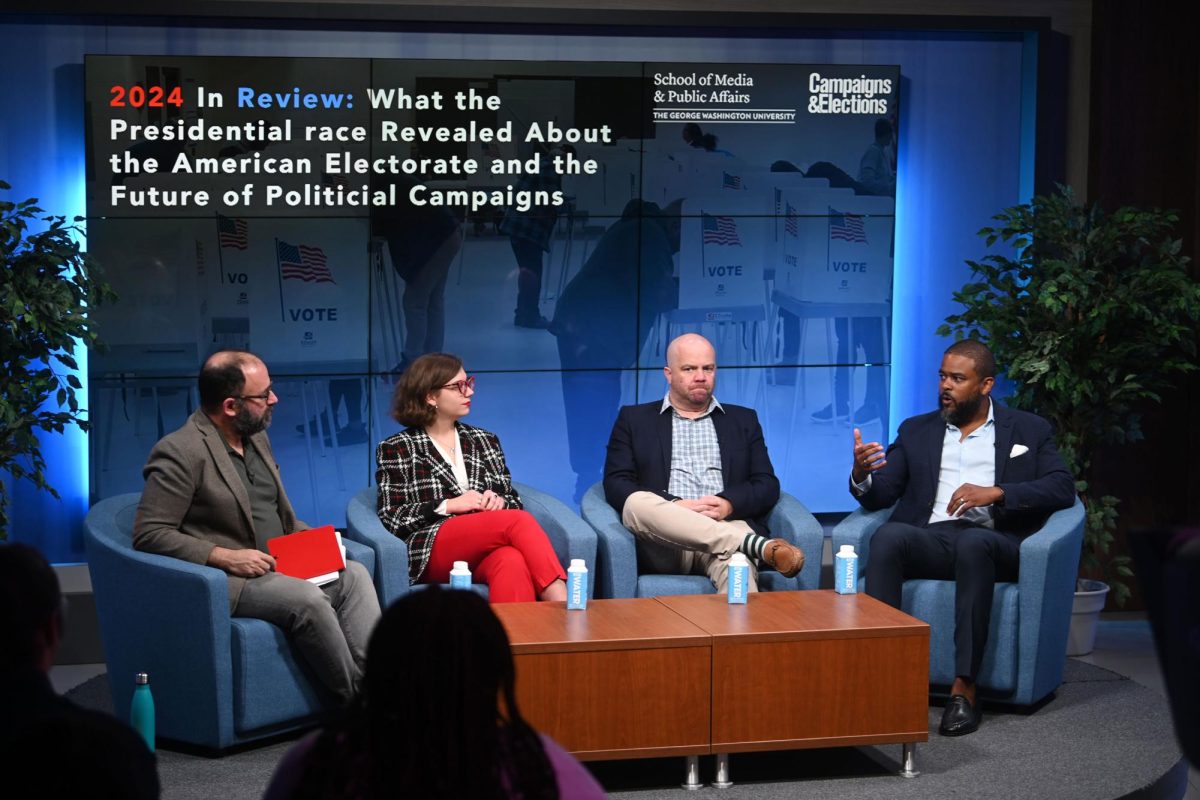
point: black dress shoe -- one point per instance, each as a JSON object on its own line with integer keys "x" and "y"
{"x": 828, "y": 414}
{"x": 867, "y": 412}
{"x": 960, "y": 717}
{"x": 351, "y": 434}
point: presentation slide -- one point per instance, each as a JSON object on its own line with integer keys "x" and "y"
{"x": 555, "y": 224}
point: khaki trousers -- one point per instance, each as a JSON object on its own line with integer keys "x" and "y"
{"x": 674, "y": 540}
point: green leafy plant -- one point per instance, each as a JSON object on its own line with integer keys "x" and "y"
{"x": 47, "y": 285}
{"x": 1091, "y": 315}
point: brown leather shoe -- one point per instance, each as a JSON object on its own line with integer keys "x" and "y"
{"x": 784, "y": 557}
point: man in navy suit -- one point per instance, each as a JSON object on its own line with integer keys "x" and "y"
{"x": 968, "y": 482}
{"x": 691, "y": 477}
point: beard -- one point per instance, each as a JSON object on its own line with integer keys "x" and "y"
{"x": 962, "y": 412}
{"x": 246, "y": 424}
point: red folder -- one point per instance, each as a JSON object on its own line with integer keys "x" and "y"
{"x": 307, "y": 554}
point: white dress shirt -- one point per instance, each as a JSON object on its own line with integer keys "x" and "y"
{"x": 456, "y": 464}
{"x": 969, "y": 460}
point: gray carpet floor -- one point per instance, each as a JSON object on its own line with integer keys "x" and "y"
{"x": 1101, "y": 736}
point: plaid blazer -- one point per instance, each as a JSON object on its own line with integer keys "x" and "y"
{"x": 413, "y": 479}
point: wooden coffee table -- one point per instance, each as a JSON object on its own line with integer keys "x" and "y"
{"x": 692, "y": 675}
{"x": 812, "y": 669}
{"x": 622, "y": 679}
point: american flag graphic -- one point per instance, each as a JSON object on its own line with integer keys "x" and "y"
{"x": 791, "y": 221}
{"x": 847, "y": 227}
{"x": 232, "y": 233}
{"x": 330, "y": 179}
{"x": 719, "y": 230}
{"x": 303, "y": 263}
{"x": 730, "y": 181}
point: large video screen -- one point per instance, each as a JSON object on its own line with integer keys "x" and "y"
{"x": 555, "y": 224}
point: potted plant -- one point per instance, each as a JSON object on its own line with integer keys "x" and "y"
{"x": 47, "y": 285}
{"x": 1091, "y": 315}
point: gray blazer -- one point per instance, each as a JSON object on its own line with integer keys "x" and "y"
{"x": 195, "y": 501}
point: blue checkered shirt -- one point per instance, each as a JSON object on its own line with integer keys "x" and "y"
{"x": 695, "y": 453}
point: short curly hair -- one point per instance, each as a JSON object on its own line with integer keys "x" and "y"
{"x": 426, "y": 375}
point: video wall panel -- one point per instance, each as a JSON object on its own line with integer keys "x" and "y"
{"x": 553, "y": 223}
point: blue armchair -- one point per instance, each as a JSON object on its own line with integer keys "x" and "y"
{"x": 218, "y": 680}
{"x": 1027, "y": 640}
{"x": 569, "y": 535}
{"x": 617, "y": 573}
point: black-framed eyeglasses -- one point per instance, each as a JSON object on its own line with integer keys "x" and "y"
{"x": 264, "y": 397}
{"x": 463, "y": 386}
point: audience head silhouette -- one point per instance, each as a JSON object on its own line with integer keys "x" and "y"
{"x": 49, "y": 747}
{"x": 30, "y": 609}
{"x": 438, "y": 715}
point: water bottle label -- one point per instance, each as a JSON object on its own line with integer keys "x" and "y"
{"x": 846, "y": 571}
{"x": 577, "y": 590}
{"x": 460, "y": 581}
{"x": 738, "y": 578}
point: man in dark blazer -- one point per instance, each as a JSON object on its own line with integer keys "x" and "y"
{"x": 691, "y": 477}
{"x": 968, "y": 482}
{"x": 213, "y": 496}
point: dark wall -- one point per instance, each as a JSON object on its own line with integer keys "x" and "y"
{"x": 1145, "y": 150}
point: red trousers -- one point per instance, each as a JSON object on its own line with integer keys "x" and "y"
{"x": 506, "y": 549}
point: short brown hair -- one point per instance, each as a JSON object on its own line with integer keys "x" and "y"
{"x": 426, "y": 375}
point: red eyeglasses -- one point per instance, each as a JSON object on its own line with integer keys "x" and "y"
{"x": 463, "y": 386}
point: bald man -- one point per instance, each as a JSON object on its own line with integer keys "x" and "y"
{"x": 214, "y": 496}
{"x": 691, "y": 477}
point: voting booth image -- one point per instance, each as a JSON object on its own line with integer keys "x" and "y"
{"x": 555, "y": 224}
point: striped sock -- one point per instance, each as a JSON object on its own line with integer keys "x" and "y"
{"x": 753, "y": 545}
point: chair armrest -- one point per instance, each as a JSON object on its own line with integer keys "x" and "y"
{"x": 356, "y": 551}
{"x": 391, "y": 554}
{"x": 168, "y": 618}
{"x": 857, "y": 530}
{"x": 1049, "y": 565}
{"x": 570, "y": 535}
{"x": 791, "y": 520}
{"x": 616, "y": 551}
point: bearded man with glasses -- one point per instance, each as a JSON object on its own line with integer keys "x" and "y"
{"x": 214, "y": 496}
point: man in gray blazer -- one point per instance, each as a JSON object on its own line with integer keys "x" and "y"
{"x": 213, "y": 496}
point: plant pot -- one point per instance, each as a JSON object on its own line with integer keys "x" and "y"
{"x": 1085, "y": 614}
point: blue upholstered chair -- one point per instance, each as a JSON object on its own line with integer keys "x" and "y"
{"x": 217, "y": 680}
{"x": 1027, "y": 640}
{"x": 617, "y": 573}
{"x": 569, "y": 535}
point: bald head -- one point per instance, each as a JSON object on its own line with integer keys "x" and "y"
{"x": 690, "y": 347}
{"x": 691, "y": 373}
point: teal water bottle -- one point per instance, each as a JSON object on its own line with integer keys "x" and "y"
{"x": 141, "y": 712}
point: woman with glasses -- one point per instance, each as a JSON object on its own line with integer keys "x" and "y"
{"x": 445, "y": 489}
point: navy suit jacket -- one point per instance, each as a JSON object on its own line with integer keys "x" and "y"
{"x": 639, "y": 460}
{"x": 1035, "y": 483}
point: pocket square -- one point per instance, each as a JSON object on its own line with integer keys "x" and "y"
{"x": 1018, "y": 450}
